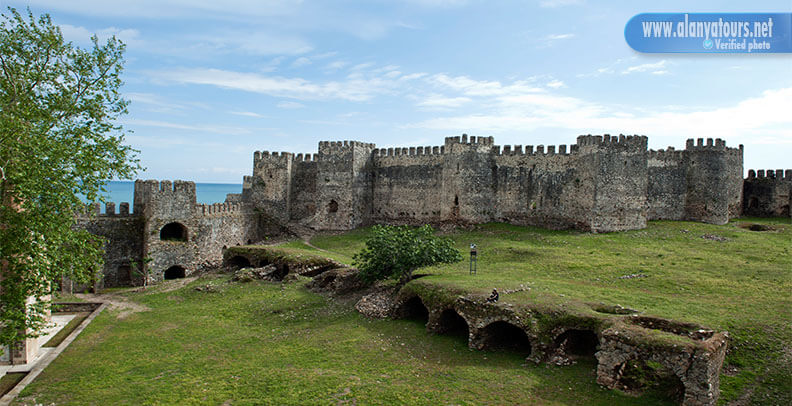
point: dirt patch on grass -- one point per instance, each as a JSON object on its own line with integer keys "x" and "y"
{"x": 756, "y": 227}
{"x": 174, "y": 284}
{"x": 114, "y": 301}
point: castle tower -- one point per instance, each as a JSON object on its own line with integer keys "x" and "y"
{"x": 343, "y": 185}
{"x": 468, "y": 168}
{"x": 270, "y": 185}
{"x": 768, "y": 193}
{"x": 714, "y": 176}
{"x": 618, "y": 166}
{"x": 170, "y": 226}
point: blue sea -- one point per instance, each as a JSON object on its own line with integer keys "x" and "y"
{"x": 208, "y": 193}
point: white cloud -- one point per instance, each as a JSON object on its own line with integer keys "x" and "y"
{"x": 252, "y": 43}
{"x": 559, "y": 3}
{"x": 647, "y": 67}
{"x": 173, "y": 9}
{"x": 188, "y": 127}
{"x": 335, "y": 65}
{"x": 550, "y": 40}
{"x": 246, "y": 114}
{"x": 555, "y": 84}
{"x": 436, "y": 101}
{"x": 82, "y": 36}
{"x": 620, "y": 66}
{"x": 290, "y": 105}
{"x": 155, "y": 102}
{"x": 438, "y": 3}
{"x": 766, "y": 114}
{"x": 471, "y": 87}
{"x": 358, "y": 88}
{"x": 301, "y": 61}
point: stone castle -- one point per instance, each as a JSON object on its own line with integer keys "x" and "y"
{"x": 599, "y": 184}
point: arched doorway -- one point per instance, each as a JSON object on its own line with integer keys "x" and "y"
{"x": 577, "y": 343}
{"x": 502, "y": 335}
{"x": 451, "y": 323}
{"x": 414, "y": 309}
{"x": 239, "y": 262}
{"x": 174, "y": 272}
{"x": 173, "y": 232}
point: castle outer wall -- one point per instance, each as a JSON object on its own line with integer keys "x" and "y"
{"x": 599, "y": 184}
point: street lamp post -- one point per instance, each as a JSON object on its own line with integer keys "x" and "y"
{"x": 473, "y": 261}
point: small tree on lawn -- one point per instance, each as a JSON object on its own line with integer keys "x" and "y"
{"x": 396, "y": 251}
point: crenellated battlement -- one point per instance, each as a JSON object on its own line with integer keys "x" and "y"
{"x": 775, "y": 174}
{"x": 247, "y": 182}
{"x": 94, "y": 209}
{"x": 666, "y": 154}
{"x": 472, "y": 140}
{"x": 509, "y": 150}
{"x": 274, "y": 156}
{"x": 165, "y": 186}
{"x": 306, "y": 157}
{"x": 409, "y": 151}
{"x": 218, "y": 208}
{"x": 606, "y": 140}
{"x": 332, "y": 147}
{"x": 716, "y": 144}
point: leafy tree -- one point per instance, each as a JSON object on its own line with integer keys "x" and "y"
{"x": 58, "y": 140}
{"x": 397, "y": 251}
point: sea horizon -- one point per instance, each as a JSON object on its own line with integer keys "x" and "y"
{"x": 121, "y": 191}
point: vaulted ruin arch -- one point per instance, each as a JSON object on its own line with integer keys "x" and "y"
{"x": 174, "y": 231}
{"x": 502, "y": 335}
{"x": 577, "y": 342}
{"x": 414, "y": 309}
{"x": 452, "y": 323}
{"x": 239, "y": 262}
{"x": 174, "y": 272}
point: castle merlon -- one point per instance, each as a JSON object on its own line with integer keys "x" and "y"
{"x": 777, "y": 174}
{"x": 165, "y": 186}
{"x": 408, "y": 151}
{"x": 711, "y": 144}
{"x": 332, "y": 147}
{"x": 218, "y": 208}
{"x": 665, "y": 154}
{"x": 470, "y": 141}
{"x": 110, "y": 209}
{"x": 635, "y": 141}
{"x": 509, "y": 150}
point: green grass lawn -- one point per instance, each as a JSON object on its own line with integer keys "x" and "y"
{"x": 267, "y": 343}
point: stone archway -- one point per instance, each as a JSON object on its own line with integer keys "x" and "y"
{"x": 502, "y": 335}
{"x": 239, "y": 262}
{"x": 577, "y": 343}
{"x": 174, "y": 231}
{"x": 451, "y": 323}
{"x": 414, "y": 309}
{"x": 174, "y": 272}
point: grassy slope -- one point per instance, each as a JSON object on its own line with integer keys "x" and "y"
{"x": 741, "y": 285}
{"x": 255, "y": 343}
{"x": 260, "y": 343}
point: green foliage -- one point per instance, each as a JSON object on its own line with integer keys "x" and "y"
{"x": 58, "y": 140}
{"x": 397, "y": 251}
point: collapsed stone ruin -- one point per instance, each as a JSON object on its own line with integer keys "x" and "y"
{"x": 631, "y": 350}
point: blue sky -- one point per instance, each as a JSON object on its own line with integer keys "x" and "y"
{"x": 213, "y": 81}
